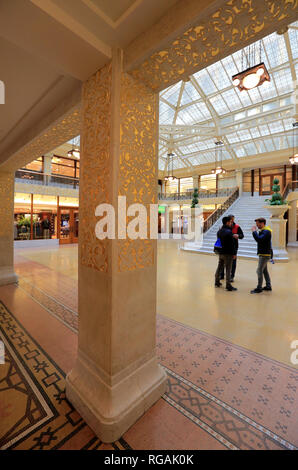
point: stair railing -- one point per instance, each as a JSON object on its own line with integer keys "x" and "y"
{"x": 290, "y": 186}
{"x": 218, "y": 212}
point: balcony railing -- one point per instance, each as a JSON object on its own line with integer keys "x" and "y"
{"x": 203, "y": 194}
{"x": 35, "y": 177}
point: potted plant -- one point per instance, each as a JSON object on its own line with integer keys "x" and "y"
{"x": 277, "y": 206}
{"x": 195, "y": 198}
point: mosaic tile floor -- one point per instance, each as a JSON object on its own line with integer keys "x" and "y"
{"x": 240, "y": 399}
{"x": 219, "y": 395}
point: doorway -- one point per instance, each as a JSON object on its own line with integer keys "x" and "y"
{"x": 68, "y": 225}
{"x": 267, "y": 182}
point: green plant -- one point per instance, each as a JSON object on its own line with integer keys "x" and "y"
{"x": 24, "y": 221}
{"x": 195, "y": 198}
{"x": 276, "y": 199}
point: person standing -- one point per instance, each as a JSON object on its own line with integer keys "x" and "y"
{"x": 263, "y": 239}
{"x": 239, "y": 235}
{"x": 227, "y": 253}
{"x": 45, "y": 225}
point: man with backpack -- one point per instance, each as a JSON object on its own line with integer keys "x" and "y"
{"x": 226, "y": 251}
{"x": 236, "y": 230}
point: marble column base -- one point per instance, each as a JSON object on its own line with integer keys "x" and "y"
{"x": 7, "y": 276}
{"x": 111, "y": 405}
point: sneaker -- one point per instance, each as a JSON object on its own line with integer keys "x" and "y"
{"x": 218, "y": 284}
{"x": 256, "y": 291}
{"x": 269, "y": 288}
{"x": 231, "y": 288}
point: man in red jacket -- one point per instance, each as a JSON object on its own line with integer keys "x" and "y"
{"x": 237, "y": 234}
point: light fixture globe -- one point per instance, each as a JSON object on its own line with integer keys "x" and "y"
{"x": 74, "y": 153}
{"x": 260, "y": 72}
{"x": 251, "y": 81}
{"x": 236, "y": 82}
{"x": 294, "y": 159}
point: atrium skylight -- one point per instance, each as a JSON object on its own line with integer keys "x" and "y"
{"x": 194, "y": 114}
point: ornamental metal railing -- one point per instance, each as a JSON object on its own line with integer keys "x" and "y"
{"x": 218, "y": 212}
{"x": 290, "y": 186}
{"x": 36, "y": 177}
{"x": 203, "y": 194}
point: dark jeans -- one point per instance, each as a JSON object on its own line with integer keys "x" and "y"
{"x": 263, "y": 271}
{"x": 224, "y": 262}
{"x": 233, "y": 271}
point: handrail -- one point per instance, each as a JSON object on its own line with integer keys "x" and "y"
{"x": 46, "y": 179}
{"x": 218, "y": 212}
{"x": 290, "y": 186}
{"x": 203, "y": 194}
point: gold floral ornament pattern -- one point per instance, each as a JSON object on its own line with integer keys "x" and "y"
{"x": 95, "y": 165}
{"x": 6, "y": 206}
{"x": 137, "y": 165}
{"x": 234, "y": 25}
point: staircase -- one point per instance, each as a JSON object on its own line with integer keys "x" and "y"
{"x": 245, "y": 209}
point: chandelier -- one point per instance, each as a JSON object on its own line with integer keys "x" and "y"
{"x": 75, "y": 151}
{"x": 218, "y": 169}
{"x": 294, "y": 158}
{"x": 170, "y": 176}
{"x": 254, "y": 75}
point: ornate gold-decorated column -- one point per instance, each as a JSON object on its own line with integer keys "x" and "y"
{"x": 7, "y": 274}
{"x": 116, "y": 377}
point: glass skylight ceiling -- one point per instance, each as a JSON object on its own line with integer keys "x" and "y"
{"x": 194, "y": 114}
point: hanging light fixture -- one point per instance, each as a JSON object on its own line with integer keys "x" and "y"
{"x": 75, "y": 151}
{"x": 218, "y": 168}
{"x": 254, "y": 75}
{"x": 294, "y": 158}
{"x": 170, "y": 176}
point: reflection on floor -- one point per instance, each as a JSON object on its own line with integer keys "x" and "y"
{"x": 222, "y": 393}
{"x": 265, "y": 323}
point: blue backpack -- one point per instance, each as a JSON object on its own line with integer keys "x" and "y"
{"x": 217, "y": 246}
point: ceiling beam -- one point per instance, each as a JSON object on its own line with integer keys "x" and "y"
{"x": 167, "y": 103}
{"x": 173, "y": 23}
{"x": 184, "y": 127}
{"x": 76, "y": 27}
{"x": 178, "y": 102}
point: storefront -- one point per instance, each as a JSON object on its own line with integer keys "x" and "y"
{"x": 38, "y": 217}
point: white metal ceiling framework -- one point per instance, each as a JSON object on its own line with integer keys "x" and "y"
{"x": 196, "y": 113}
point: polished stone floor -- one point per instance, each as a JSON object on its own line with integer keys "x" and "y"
{"x": 231, "y": 384}
{"x": 266, "y": 323}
